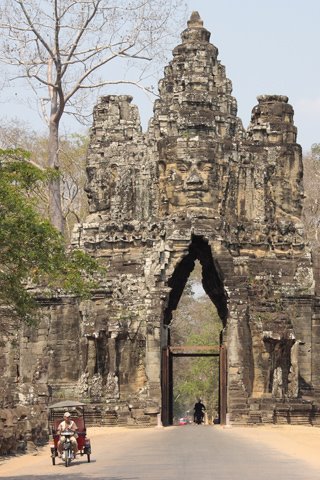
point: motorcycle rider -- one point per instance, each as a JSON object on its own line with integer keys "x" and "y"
{"x": 67, "y": 425}
{"x": 199, "y": 410}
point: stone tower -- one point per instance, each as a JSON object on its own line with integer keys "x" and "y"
{"x": 196, "y": 186}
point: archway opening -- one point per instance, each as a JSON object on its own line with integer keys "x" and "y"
{"x": 212, "y": 280}
{"x": 192, "y": 335}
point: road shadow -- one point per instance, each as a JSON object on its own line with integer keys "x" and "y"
{"x": 69, "y": 476}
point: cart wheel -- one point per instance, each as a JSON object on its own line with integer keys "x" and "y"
{"x": 88, "y": 455}
{"x": 53, "y": 460}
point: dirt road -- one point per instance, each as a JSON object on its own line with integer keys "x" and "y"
{"x": 184, "y": 453}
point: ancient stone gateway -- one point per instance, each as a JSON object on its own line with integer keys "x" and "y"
{"x": 196, "y": 187}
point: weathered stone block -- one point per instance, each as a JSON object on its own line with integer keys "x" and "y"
{"x": 196, "y": 186}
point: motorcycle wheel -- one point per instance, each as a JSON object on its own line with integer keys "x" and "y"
{"x": 53, "y": 460}
{"x": 67, "y": 461}
{"x": 88, "y": 456}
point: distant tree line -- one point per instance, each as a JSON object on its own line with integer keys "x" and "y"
{"x": 311, "y": 179}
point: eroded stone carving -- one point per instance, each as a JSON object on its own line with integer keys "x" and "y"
{"x": 195, "y": 186}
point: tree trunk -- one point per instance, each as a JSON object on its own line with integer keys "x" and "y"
{"x": 55, "y": 207}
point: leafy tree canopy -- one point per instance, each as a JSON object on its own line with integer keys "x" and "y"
{"x": 195, "y": 322}
{"x": 32, "y": 251}
{"x": 15, "y": 135}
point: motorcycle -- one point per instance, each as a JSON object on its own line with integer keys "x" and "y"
{"x": 198, "y": 417}
{"x": 67, "y": 454}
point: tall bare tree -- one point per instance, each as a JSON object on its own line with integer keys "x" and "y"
{"x": 311, "y": 180}
{"x": 61, "y": 47}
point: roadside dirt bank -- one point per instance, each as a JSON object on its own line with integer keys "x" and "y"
{"x": 299, "y": 441}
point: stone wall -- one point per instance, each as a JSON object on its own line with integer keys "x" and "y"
{"x": 212, "y": 192}
{"x": 195, "y": 186}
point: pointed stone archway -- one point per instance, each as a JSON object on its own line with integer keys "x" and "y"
{"x": 212, "y": 282}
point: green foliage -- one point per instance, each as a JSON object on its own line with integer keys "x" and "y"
{"x": 32, "y": 251}
{"x": 195, "y": 322}
{"x": 73, "y": 272}
{"x": 201, "y": 379}
{"x": 198, "y": 377}
{"x": 72, "y": 173}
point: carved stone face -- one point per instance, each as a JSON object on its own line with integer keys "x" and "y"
{"x": 95, "y": 190}
{"x": 187, "y": 183}
{"x": 99, "y": 187}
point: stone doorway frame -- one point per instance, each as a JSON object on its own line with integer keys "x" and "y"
{"x": 167, "y": 355}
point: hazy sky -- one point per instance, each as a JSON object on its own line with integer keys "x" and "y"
{"x": 268, "y": 47}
